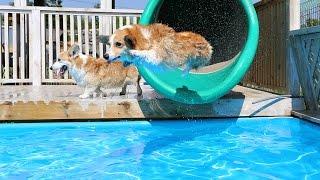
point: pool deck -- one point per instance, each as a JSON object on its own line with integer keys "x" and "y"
{"x": 61, "y": 102}
{"x": 308, "y": 115}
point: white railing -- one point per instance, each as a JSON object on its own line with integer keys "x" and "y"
{"x": 39, "y": 34}
{"x": 14, "y": 51}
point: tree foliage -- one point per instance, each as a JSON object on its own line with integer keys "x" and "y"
{"x": 98, "y": 6}
{"x": 49, "y": 3}
{"x": 312, "y": 22}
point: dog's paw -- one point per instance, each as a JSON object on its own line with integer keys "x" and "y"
{"x": 186, "y": 71}
{"x": 84, "y": 96}
{"x": 126, "y": 64}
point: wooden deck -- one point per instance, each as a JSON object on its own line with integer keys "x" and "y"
{"x": 61, "y": 102}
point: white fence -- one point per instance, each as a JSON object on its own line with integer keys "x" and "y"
{"x": 32, "y": 37}
{"x": 14, "y": 59}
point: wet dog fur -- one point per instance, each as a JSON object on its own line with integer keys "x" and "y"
{"x": 158, "y": 44}
{"x": 95, "y": 74}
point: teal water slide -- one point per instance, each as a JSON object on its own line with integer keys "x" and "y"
{"x": 232, "y": 28}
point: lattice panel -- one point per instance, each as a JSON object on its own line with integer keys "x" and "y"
{"x": 312, "y": 52}
{"x": 306, "y": 49}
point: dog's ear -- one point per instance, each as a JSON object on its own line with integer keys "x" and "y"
{"x": 74, "y": 51}
{"x": 104, "y": 39}
{"x": 130, "y": 42}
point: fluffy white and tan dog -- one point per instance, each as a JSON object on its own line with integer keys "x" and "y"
{"x": 158, "y": 44}
{"x": 95, "y": 74}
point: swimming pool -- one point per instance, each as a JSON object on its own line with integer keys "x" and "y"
{"x": 196, "y": 149}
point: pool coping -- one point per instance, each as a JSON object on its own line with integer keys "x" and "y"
{"x": 61, "y": 107}
{"x": 311, "y": 116}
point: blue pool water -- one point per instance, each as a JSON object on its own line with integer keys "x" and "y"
{"x": 261, "y": 148}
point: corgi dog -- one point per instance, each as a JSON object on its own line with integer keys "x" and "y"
{"x": 94, "y": 74}
{"x": 158, "y": 44}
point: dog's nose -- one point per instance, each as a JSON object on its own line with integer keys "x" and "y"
{"x": 50, "y": 67}
{"x": 106, "y": 56}
{"x": 64, "y": 67}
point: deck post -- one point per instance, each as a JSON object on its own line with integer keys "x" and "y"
{"x": 35, "y": 46}
{"x": 294, "y": 24}
{"x": 20, "y": 3}
{"x": 106, "y": 21}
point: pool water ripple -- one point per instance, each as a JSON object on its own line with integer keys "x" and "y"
{"x": 258, "y": 148}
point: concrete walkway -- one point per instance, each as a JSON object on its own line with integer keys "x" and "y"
{"x": 61, "y": 102}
